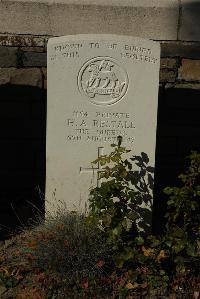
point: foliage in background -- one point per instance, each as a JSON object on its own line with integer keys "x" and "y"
{"x": 116, "y": 207}
{"x": 182, "y": 237}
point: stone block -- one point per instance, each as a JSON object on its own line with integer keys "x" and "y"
{"x": 183, "y": 85}
{"x": 29, "y": 76}
{"x": 189, "y": 70}
{"x": 21, "y": 41}
{"x": 180, "y": 49}
{"x": 44, "y": 72}
{"x": 34, "y": 59}
{"x": 147, "y": 3}
{"x": 167, "y": 75}
{"x": 33, "y": 49}
{"x": 46, "y": 41}
{"x": 149, "y": 19}
{"x": 190, "y": 21}
{"x": 24, "y": 18}
{"x": 131, "y": 75}
{"x": 168, "y": 63}
{"x": 140, "y": 19}
{"x": 8, "y": 56}
{"x": 45, "y": 84}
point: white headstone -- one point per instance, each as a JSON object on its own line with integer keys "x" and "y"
{"x": 99, "y": 87}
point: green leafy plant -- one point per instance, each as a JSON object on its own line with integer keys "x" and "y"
{"x": 125, "y": 197}
{"x": 121, "y": 206}
{"x": 183, "y": 219}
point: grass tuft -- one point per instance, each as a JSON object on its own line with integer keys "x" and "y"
{"x": 67, "y": 244}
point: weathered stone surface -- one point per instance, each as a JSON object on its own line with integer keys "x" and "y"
{"x": 183, "y": 85}
{"x": 110, "y": 89}
{"x": 21, "y": 41}
{"x": 46, "y": 41}
{"x": 38, "y": 44}
{"x": 151, "y": 19}
{"x": 141, "y": 20}
{"x": 168, "y": 63}
{"x": 34, "y": 59}
{"x": 167, "y": 75}
{"x": 189, "y": 70}
{"x": 33, "y": 49}
{"x": 29, "y": 76}
{"x": 24, "y": 18}
{"x": 182, "y": 49}
{"x": 44, "y": 72}
{"x": 8, "y": 56}
{"x": 190, "y": 21}
{"x": 168, "y": 70}
{"x": 189, "y": 86}
{"x": 45, "y": 84}
{"x": 145, "y": 3}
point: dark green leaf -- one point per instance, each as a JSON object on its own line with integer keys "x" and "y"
{"x": 150, "y": 169}
{"x": 145, "y": 157}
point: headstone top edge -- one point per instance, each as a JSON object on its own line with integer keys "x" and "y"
{"x": 106, "y": 37}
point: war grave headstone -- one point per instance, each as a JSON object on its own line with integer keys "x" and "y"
{"x": 99, "y": 87}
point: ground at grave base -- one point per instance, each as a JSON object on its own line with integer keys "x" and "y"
{"x": 72, "y": 256}
{"x": 65, "y": 270}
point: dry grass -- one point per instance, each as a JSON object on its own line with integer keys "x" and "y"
{"x": 58, "y": 255}
{"x": 64, "y": 257}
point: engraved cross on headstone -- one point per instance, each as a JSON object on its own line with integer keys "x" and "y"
{"x": 94, "y": 170}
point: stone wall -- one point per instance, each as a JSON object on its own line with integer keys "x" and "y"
{"x": 23, "y": 83}
{"x": 23, "y": 61}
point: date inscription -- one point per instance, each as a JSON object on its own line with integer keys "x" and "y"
{"x": 100, "y": 127}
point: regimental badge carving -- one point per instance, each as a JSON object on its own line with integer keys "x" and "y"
{"x": 103, "y": 81}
